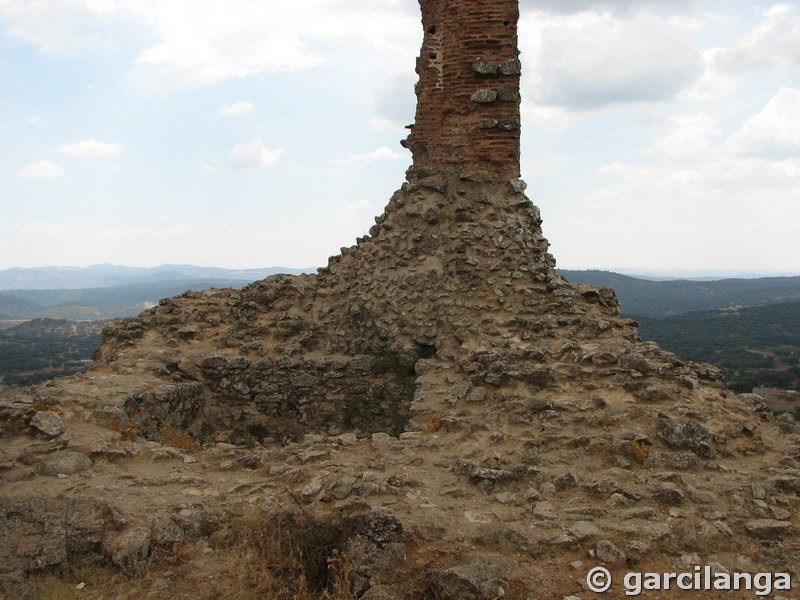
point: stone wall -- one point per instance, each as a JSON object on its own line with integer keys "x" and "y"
{"x": 453, "y": 295}
{"x": 468, "y": 91}
{"x": 285, "y": 396}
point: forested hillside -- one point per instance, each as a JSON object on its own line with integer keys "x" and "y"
{"x": 45, "y": 348}
{"x": 644, "y": 297}
{"x": 755, "y": 346}
{"x": 110, "y": 302}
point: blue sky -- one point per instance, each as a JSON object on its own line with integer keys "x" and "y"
{"x": 659, "y": 136}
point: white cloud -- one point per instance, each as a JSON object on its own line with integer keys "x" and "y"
{"x": 254, "y": 156}
{"x": 706, "y": 176}
{"x": 382, "y": 153}
{"x": 770, "y": 47}
{"x": 541, "y": 164}
{"x": 544, "y": 118}
{"x": 395, "y": 101}
{"x": 777, "y": 10}
{"x": 42, "y": 170}
{"x": 688, "y": 139}
{"x": 698, "y": 197}
{"x": 384, "y": 124}
{"x": 204, "y": 42}
{"x": 349, "y": 213}
{"x": 36, "y": 120}
{"x": 138, "y": 232}
{"x": 607, "y": 61}
{"x": 238, "y": 109}
{"x": 201, "y": 42}
{"x": 715, "y": 83}
{"x": 775, "y": 41}
{"x": 43, "y": 228}
{"x": 62, "y": 28}
{"x": 720, "y": 211}
{"x": 775, "y": 131}
{"x": 91, "y": 147}
{"x": 233, "y": 233}
{"x": 576, "y": 6}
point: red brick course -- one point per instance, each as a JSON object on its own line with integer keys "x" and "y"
{"x": 468, "y": 92}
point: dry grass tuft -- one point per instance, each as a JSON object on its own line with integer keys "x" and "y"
{"x": 96, "y": 582}
{"x": 291, "y": 556}
{"x": 128, "y": 432}
{"x": 169, "y": 436}
{"x": 283, "y": 556}
{"x": 13, "y": 426}
{"x": 435, "y": 424}
{"x": 607, "y": 421}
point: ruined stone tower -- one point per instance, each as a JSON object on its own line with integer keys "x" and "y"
{"x": 452, "y": 295}
{"x": 531, "y": 431}
{"x": 468, "y": 91}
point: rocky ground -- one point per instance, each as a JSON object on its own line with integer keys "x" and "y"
{"x": 518, "y": 500}
{"x": 436, "y": 414}
{"x": 466, "y": 423}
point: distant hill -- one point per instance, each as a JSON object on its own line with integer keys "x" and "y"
{"x": 101, "y": 303}
{"x": 105, "y": 275}
{"x": 663, "y": 298}
{"x": 14, "y": 307}
{"x": 129, "y": 293}
{"x": 92, "y": 313}
{"x": 755, "y": 346}
{"x": 41, "y": 349}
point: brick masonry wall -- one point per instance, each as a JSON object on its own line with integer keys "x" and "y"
{"x": 468, "y": 92}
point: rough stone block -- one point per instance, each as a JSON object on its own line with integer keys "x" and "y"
{"x": 484, "y": 96}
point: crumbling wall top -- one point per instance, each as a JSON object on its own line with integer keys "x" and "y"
{"x": 468, "y": 91}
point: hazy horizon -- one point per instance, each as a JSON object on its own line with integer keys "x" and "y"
{"x": 677, "y": 273}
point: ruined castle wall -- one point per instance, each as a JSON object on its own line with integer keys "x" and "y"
{"x": 287, "y": 396}
{"x": 468, "y": 91}
{"x": 456, "y": 268}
